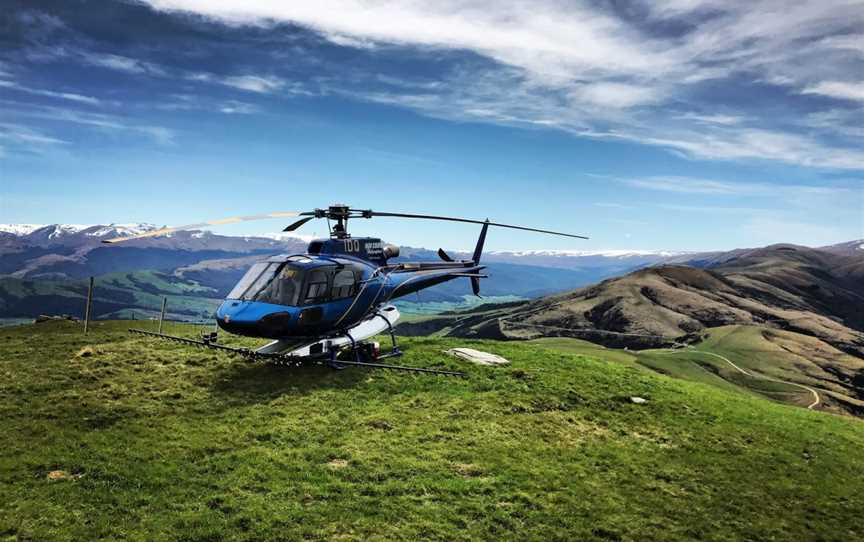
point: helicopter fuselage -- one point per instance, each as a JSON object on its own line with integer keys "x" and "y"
{"x": 333, "y": 286}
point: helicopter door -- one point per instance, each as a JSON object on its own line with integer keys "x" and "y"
{"x": 317, "y": 289}
{"x": 344, "y": 284}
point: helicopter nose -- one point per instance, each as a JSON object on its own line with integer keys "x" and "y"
{"x": 234, "y": 317}
{"x": 254, "y": 319}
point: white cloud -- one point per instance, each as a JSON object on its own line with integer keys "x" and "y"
{"x": 581, "y": 67}
{"x": 192, "y": 102}
{"x": 615, "y": 95}
{"x": 837, "y": 89}
{"x": 234, "y": 107}
{"x": 16, "y": 133}
{"x": 726, "y": 120}
{"x": 694, "y": 185}
{"x": 122, "y": 63}
{"x": 254, "y": 83}
{"x": 851, "y": 42}
{"x": 688, "y": 185}
{"x": 549, "y": 39}
{"x": 743, "y": 144}
{"x": 841, "y": 121}
{"x": 159, "y": 134}
{"x": 104, "y": 122}
{"x": 51, "y": 94}
{"x": 260, "y": 84}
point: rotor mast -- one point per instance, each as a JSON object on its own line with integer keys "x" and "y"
{"x": 340, "y": 213}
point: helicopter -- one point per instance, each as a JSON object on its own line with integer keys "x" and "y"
{"x": 327, "y": 303}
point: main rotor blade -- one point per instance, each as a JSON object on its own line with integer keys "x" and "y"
{"x": 232, "y": 220}
{"x": 296, "y": 225}
{"x": 453, "y": 219}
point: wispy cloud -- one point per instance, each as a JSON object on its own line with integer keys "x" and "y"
{"x": 259, "y": 84}
{"x": 102, "y": 121}
{"x": 751, "y": 143}
{"x": 194, "y": 102}
{"x": 587, "y": 69}
{"x": 233, "y": 107}
{"x": 689, "y": 185}
{"x": 837, "y": 89}
{"x": 726, "y": 120}
{"x": 615, "y": 95}
{"x": 667, "y": 73}
{"x": 254, "y": 83}
{"x": 122, "y": 63}
{"x": 725, "y": 196}
{"x": 17, "y": 139}
{"x": 17, "y": 133}
{"x": 50, "y": 93}
{"x": 159, "y": 134}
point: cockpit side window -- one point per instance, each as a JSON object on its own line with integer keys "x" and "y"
{"x": 344, "y": 284}
{"x": 277, "y": 283}
{"x": 317, "y": 286}
{"x": 284, "y": 288}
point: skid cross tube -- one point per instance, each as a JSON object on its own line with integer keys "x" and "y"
{"x": 283, "y": 359}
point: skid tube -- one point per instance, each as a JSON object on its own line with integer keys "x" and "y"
{"x": 281, "y": 359}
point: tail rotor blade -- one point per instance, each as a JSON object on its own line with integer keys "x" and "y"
{"x": 475, "y": 286}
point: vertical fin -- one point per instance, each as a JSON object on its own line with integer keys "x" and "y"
{"x": 478, "y": 252}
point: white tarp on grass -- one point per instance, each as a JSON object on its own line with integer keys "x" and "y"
{"x": 476, "y": 356}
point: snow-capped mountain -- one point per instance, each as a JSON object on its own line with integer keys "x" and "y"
{"x": 76, "y": 250}
{"x": 589, "y": 253}
{"x": 20, "y": 229}
{"x": 55, "y": 231}
{"x": 617, "y": 261}
{"x": 92, "y": 234}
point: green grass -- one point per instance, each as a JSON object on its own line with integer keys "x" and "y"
{"x": 586, "y": 348}
{"x": 808, "y": 362}
{"x": 141, "y": 291}
{"x": 168, "y": 443}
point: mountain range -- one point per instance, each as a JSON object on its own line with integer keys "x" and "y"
{"x": 44, "y": 268}
{"x": 792, "y": 314}
{"x": 818, "y": 292}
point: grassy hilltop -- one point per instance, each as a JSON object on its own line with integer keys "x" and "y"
{"x": 159, "y": 442}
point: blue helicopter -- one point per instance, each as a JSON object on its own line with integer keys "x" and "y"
{"x": 327, "y": 303}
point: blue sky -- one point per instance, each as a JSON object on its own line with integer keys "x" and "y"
{"x": 679, "y": 124}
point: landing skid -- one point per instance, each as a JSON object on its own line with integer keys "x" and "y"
{"x": 328, "y": 350}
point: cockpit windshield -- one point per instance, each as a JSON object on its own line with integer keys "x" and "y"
{"x": 277, "y": 283}
{"x": 287, "y": 283}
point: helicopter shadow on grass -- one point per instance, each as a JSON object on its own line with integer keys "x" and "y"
{"x": 251, "y": 383}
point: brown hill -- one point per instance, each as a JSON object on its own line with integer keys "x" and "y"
{"x": 809, "y": 291}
